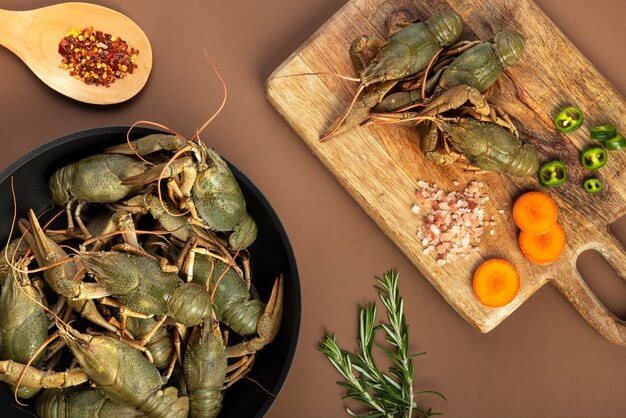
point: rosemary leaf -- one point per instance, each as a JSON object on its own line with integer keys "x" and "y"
{"x": 388, "y": 394}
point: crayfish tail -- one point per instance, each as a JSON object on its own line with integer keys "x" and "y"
{"x": 166, "y": 404}
{"x": 205, "y": 369}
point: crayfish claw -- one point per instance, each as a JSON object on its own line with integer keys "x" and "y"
{"x": 267, "y": 327}
{"x": 148, "y": 144}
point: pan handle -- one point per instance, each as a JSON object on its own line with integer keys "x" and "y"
{"x": 578, "y": 293}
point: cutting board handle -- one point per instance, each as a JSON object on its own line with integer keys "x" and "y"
{"x": 578, "y": 293}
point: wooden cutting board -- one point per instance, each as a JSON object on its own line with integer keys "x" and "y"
{"x": 380, "y": 165}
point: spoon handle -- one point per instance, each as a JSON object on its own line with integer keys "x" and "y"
{"x": 13, "y": 26}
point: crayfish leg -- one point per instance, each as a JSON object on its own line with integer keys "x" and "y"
{"x": 496, "y": 115}
{"x": 454, "y": 98}
{"x": 467, "y": 166}
{"x": 79, "y": 220}
{"x": 460, "y": 47}
{"x": 124, "y": 311}
{"x": 239, "y": 370}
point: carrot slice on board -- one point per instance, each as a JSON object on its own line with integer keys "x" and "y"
{"x": 535, "y": 212}
{"x": 543, "y": 248}
{"x": 496, "y": 282}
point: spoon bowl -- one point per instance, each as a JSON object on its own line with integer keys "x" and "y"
{"x": 34, "y": 36}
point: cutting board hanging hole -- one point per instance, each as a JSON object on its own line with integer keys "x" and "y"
{"x": 606, "y": 284}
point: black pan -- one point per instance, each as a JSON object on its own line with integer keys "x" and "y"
{"x": 271, "y": 254}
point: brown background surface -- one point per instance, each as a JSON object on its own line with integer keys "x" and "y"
{"x": 543, "y": 361}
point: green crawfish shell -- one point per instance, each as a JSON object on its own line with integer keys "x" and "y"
{"x": 445, "y": 26}
{"x": 508, "y": 46}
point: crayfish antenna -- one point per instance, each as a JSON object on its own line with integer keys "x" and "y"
{"x": 430, "y": 64}
{"x": 27, "y": 365}
{"x": 344, "y": 77}
{"x": 224, "y": 98}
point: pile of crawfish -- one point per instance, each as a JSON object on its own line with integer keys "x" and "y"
{"x": 127, "y": 311}
{"x": 424, "y": 75}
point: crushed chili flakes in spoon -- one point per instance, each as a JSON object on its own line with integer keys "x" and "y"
{"x": 95, "y": 57}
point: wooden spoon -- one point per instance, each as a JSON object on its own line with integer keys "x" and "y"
{"x": 34, "y": 36}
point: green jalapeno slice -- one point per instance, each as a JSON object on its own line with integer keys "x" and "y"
{"x": 552, "y": 174}
{"x": 602, "y": 132}
{"x": 615, "y": 143}
{"x": 593, "y": 158}
{"x": 569, "y": 119}
{"x": 592, "y": 185}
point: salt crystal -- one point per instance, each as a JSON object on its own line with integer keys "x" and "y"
{"x": 415, "y": 209}
{"x": 455, "y": 219}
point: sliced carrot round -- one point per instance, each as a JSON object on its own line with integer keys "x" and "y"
{"x": 496, "y": 282}
{"x": 543, "y": 248}
{"x": 535, "y": 212}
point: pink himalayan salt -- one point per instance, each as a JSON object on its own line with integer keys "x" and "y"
{"x": 454, "y": 220}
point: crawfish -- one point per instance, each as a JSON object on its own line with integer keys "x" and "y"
{"x": 23, "y": 323}
{"x": 208, "y": 187}
{"x": 124, "y": 375}
{"x": 479, "y": 66}
{"x": 234, "y": 305}
{"x": 407, "y": 52}
{"x": 411, "y": 49}
{"x": 205, "y": 370}
{"x": 62, "y": 278}
{"x": 94, "y": 179}
{"x": 487, "y": 138}
{"x": 97, "y": 178}
{"x": 232, "y": 302}
{"x": 81, "y": 402}
{"x": 488, "y": 146}
{"x": 141, "y": 285}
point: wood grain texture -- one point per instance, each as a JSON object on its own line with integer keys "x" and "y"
{"x": 34, "y": 36}
{"x": 380, "y": 165}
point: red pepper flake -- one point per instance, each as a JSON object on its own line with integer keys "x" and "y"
{"x": 95, "y": 57}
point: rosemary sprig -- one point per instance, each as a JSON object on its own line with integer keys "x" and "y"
{"x": 385, "y": 394}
